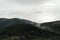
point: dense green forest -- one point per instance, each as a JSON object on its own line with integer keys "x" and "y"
{"x": 21, "y": 29}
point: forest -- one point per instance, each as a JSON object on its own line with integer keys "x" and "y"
{"x": 21, "y": 29}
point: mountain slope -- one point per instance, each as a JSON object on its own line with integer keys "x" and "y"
{"x": 25, "y": 29}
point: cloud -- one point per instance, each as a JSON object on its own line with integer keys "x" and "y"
{"x": 35, "y": 10}
{"x": 29, "y": 2}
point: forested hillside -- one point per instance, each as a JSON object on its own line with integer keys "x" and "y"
{"x": 21, "y": 29}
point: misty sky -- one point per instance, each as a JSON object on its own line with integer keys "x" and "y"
{"x": 34, "y": 10}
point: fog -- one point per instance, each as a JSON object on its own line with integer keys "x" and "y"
{"x": 35, "y": 10}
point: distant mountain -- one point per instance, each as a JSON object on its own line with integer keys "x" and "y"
{"x": 52, "y": 26}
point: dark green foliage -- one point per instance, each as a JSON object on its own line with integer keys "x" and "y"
{"x": 20, "y": 29}
{"x": 53, "y": 26}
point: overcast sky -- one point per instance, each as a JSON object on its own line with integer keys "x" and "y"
{"x": 34, "y": 10}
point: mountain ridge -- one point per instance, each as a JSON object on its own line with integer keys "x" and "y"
{"x": 27, "y": 28}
